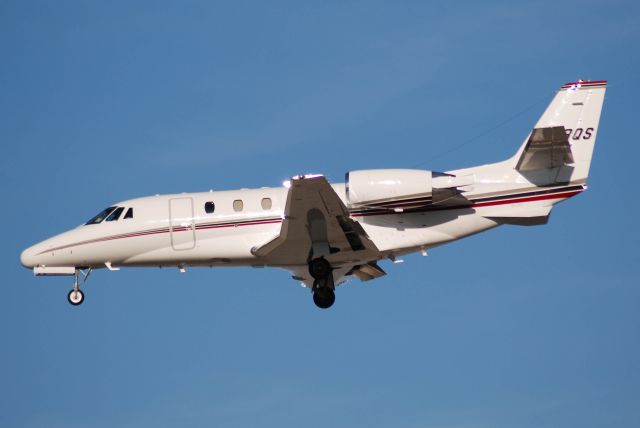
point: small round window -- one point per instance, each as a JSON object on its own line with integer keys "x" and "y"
{"x": 209, "y": 207}
{"x": 238, "y": 205}
{"x": 266, "y": 203}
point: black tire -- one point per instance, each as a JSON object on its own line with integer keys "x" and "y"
{"x": 319, "y": 268}
{"x": 73, "y": 299}
{"x": 324, "y": 297}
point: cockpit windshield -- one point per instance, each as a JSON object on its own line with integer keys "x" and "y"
{"x": 103, "y": 214}
{"x": 115, "y": 215}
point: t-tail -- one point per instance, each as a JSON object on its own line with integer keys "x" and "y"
{"x": 560, "y": 147}
{"x": 551, "y": 165}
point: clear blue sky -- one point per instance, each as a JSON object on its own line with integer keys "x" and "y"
{"x": 104, "y": 101}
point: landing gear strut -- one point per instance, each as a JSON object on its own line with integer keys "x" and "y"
{"x": 76, "y": 296}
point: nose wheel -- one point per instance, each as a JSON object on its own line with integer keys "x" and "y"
{"x": 76, "y": 296}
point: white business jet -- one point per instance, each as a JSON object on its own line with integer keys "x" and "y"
{"x": 327, "y": 233}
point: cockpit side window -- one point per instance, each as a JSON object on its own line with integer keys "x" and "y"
{"x": 103, "y": 214}
{"x": 115, "y": 215}
{"x": 129, "y": 214}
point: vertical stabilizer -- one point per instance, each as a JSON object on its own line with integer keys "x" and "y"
{"x": 575, "y": 110}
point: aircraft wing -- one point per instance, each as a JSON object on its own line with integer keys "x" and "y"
{"x": 317, "y": 224}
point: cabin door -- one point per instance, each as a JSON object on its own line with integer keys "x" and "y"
{"x": 183, "y": 231}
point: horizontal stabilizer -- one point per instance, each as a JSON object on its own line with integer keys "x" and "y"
{"x": 546, "y": 148}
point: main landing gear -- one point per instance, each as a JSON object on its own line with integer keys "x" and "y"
{"x": 324, "y": 297}
{"x": 323, "y": 294}
{"x": 76, "y": 296}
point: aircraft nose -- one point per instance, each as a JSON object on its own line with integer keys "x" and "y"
{"x": 28, "y": 258}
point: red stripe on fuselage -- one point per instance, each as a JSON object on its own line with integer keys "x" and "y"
{"x": 529, "y": 199}
{"x": 155, "y": 232}
{"x": 504, "y": 201}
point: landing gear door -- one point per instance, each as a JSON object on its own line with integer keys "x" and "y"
{"x": 183, "y": 233}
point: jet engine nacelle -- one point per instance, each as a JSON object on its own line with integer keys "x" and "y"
{"x": 389, "y": 188}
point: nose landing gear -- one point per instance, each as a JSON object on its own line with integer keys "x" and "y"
{"x": 76, "y": 296}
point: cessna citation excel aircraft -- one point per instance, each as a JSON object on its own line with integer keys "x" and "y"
{"x": 325, "y": 233}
